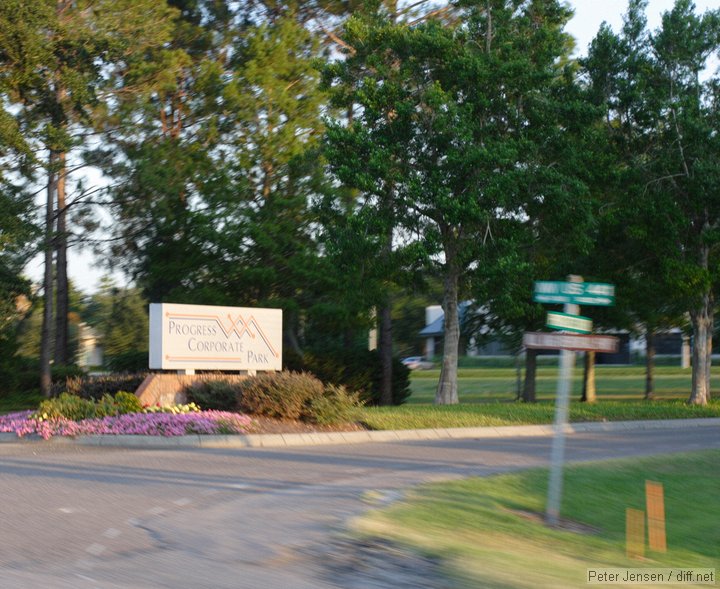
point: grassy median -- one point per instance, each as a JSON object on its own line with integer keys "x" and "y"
{"x": 487, "y": 398}
{"x": 488, "y": 532}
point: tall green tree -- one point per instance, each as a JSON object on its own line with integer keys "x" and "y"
{"x": 217, "y": 207}
{"x": 61, "y": 59}
{"x": 162, "y": 167}
{"x": 16, "y": 235}
{"x": 276, "y": 107}
{"x": 381, "y": 278}
{"x": 452, "y": 121}
{"x": 663, "y": 116}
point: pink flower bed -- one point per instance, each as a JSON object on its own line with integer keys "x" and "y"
{"x": 144, "y": 424}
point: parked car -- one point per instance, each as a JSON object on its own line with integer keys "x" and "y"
{"x": 417, "y": 363}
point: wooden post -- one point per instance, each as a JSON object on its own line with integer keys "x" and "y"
{"x": 655, "y": 505}
{"x": 588, "y": 394}
{"x": 634, "y": 533}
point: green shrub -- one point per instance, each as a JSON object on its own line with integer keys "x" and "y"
{"x": 61, "y": 372}
{"x": 360, "y": 372}
{"x": 285, "y": 395}
{"x": 127, "y": 403}
{"x": 221, "y": 395}
{"x": 76, "y": 408}
{"x": 22, "y": 375}
{"x": 128, "y": 362}
{"x": 105, "y": 407}
{"x": 336, "y": 405}
{"x": 297, "y": 395}
{"x": 94, "y": 387}
{"x": 292, "y": 360}
{"x": 19, "y": 375}
{"x": 67, "y": 406}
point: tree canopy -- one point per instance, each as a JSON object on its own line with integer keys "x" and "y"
{"x": 336, "y": 159}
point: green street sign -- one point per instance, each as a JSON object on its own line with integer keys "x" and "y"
{"x": 574, "y": 293}
{"x": 567, "y": 322}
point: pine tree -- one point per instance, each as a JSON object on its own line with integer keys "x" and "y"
{"x": 62, "y": 58}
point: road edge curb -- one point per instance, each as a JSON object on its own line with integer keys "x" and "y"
{"x": 359, "y": 437}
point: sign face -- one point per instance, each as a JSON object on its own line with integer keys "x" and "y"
{"x": 200, "y": 337}
{"x": 568, "y": 341}
{"x": 568, "y": 322}
{"x": 574, "y": 293}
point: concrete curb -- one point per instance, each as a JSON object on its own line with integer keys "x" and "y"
{"x": 322, "y": 438}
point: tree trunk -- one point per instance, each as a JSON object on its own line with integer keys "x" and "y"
{"x": 385, "y": 319}
{"x": 46, "y": 332}
{"x": 385, "y": 350}
{"x": 62, "y": 350}
{"x": 530, "y": 376}
{"x": 447, "y": 386}
{"x": 649, "y": 364}
{"x": 702, "y": 323}
{"x": 589, "y": 391}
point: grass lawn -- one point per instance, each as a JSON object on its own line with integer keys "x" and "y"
{"x": 418, "y": 416}
{"x": 612, "y": 382}
{"x": 480, "y": 530}
{"x": 487, "y": 399}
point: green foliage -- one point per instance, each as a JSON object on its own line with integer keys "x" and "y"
{"x": 21, "y": 375}
{"x": 457, "y": 138}
{"x": 490, "y": 414}
{"x": 360, "y": 372}
{"x": 335, "y": 406}
{"x": 283, "y": 395}
{"x": 70, "y": 406}
{"x": 119, "y": 317}
{"x": 61, "y": 373}
{"x": 94, "y": 387}
{"x": 127, "y": 402}
{"x": 67, "y": 406}
{"x": 128, "y": 362}
{"x": 220, "y": 395}
{"x": 661, "y": 128}
{"x": 295, "y": 395}
{"x": 17, "y": 375}
{"x": 21, "y": 401}
{"x": 29, "y": 329}
{"x": 16, "y": 232}
{"x": 125, "y": 329}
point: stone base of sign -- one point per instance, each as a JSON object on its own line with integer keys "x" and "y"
{"x": 169, "y": 389}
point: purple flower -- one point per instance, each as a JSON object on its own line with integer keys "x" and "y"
{"x": 147, "y": 424}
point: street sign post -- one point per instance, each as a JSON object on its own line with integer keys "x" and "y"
{"x": 565, "y": 322}
{"x": 571, "y": 294}
{"x": 574, "y": 293}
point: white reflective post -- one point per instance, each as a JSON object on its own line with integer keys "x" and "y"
{"x": 557, "y": 455}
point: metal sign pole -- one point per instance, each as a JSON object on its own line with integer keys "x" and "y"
{"x": 557, "y": 455}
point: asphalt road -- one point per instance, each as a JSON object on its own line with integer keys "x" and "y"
{"x": 86, "y": 517}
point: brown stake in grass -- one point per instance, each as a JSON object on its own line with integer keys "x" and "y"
{"x": 655, "y": 505}
{"x": 634, "y": 533}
